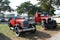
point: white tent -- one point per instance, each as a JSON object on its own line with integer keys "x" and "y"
{"x": 24, "y": 14}
{"x": 57, "y": 12}
{"x": 6, "y": 13}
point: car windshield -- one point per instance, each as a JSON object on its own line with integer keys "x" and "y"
{"x": 19, "y": 16}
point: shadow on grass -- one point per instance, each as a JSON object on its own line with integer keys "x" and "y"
{"x": 36, "y": 36}
{"x": 3, "y": 37}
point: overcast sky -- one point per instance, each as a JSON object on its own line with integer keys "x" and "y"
{"x": 15, "y": 3}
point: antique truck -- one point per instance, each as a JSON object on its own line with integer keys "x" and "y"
{"x": 47, "y": 21}
{"x": 38, "y": 18}
{"x": 21, "y": 26}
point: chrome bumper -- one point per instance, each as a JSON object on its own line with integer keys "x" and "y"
{"x": 28, "y": 29}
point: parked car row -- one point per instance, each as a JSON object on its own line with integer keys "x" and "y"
{"x": 4, "y": 20}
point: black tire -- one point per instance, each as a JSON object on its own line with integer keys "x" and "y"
{"x": 54, "y": 24}
{"x": 10, "y": 26}
{"x": 33, "y": 31}
{"x": 17, "y": 31}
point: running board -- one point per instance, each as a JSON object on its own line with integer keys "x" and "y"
{"x": 28, "y": 29}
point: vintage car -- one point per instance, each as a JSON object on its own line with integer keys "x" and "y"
{"x": 21, "y": 25}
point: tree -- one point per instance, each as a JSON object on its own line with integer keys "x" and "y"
{"x": 46, "y": 6}
{"x": 27, "y": 7}
{"x": 56, "y": 2}
{"x": 4, "y": 6}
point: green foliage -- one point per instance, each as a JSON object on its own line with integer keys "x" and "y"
{"x": 4, "y": 5}
{"x": 27, "y": 7}
{"x": 57, "y": 2}
{"x": 24, "y": 7}
{"x": 46, "y": 6}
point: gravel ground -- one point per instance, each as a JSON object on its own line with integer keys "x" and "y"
{"x": 55, "y": 37}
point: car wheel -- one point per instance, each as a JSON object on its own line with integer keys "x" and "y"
{"x": 33, "y": 31}
{"x": 17, "y": 31}
{"x": 10, "y": 26}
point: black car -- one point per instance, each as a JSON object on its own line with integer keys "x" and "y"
{"x": 2, "y": 20}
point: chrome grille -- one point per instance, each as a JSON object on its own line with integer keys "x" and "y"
{"x": 25, "y": 24}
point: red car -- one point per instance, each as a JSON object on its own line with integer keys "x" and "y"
{"x": 21, "y": 25}
{"x": 38, "y": 18}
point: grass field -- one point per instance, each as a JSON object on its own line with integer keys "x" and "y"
{"x": 41, "y": 34}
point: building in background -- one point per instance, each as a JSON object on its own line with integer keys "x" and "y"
{"x": 10, "y": 14}
{"x": 6, "y": 15}
{"x": 1, "y": 15}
